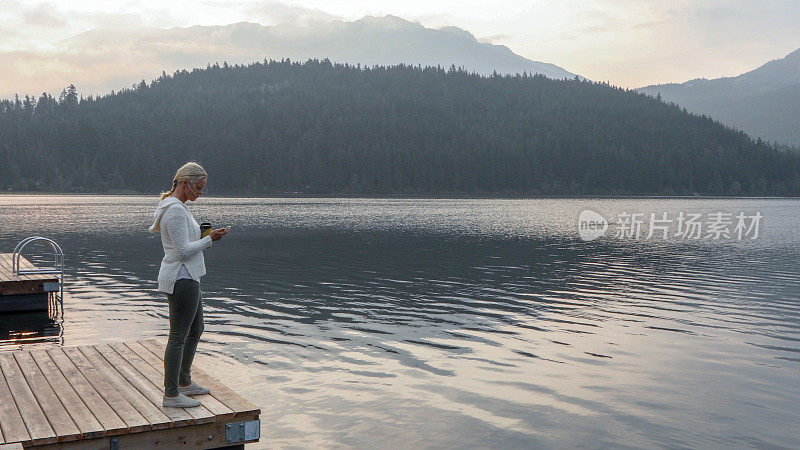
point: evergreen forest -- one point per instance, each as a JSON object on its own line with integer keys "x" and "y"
{"x": 324, "y": 129}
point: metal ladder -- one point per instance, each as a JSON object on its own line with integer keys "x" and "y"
{"x": 58, "y": 267}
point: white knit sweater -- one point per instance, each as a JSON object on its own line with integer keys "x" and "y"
{"x": 180, "y": 237}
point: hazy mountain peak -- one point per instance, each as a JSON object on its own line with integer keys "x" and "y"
{"x": 388, "y": 22}
{"x": 102, "y": 60}
{"x": 793, "y": 56}
{"x": 458, "y": 32}
{"x": 764, "y": 102}
{"x": 784, "y": 71}
{"x": 241, "y": 26}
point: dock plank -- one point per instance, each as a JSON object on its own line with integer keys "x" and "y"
{"x": 57, "y": 416}
{"x": 10, "y": 420}
{"x": 179, "y": 416}
{"x": 110, "y": 407}
{"x": 14, "y": 446}
{"x": 81, "y": 415}
{"x": 6, "y": 262}
{"x": 154, "y": 368}
{"x": 7, "y": 273}
{"x": 78, "y": 397}
{"x": 238, "y": 404}
{"x": 111, "y": 422}
{"x": 11, "y": 285}
{"x": 35, "y": 420}
{"x": 202, "y": 413}
{"x": 117, "y": 382}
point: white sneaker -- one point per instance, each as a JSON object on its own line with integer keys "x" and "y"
{"x": 193, "y": 389}
{"x": 181, "y": 401}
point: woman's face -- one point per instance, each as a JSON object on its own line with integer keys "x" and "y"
{"x": 195, "y": 189}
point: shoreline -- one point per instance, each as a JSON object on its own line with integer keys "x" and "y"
{"x": 419, "y": 197}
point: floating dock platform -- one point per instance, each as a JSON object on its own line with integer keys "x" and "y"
{"x": 25, "y": 292}
{"x": 108, "y": 396}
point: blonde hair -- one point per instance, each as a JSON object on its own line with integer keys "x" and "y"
{"x": 191, "y": 172}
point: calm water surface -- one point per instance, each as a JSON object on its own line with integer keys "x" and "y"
{"x": 454, "y": 323}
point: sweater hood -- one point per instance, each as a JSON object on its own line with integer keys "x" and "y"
{"x": 160, "y": 209}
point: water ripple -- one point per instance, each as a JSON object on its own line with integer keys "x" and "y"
{"x": 441, "y": 323}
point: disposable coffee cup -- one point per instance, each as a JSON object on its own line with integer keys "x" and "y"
{"x": 205, "y": 228}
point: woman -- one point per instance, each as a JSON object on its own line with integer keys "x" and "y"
{"x": 179, "y": 278}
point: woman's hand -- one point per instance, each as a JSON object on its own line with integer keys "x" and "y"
{"x": 218, "y": 233}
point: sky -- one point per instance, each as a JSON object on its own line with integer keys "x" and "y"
{"x": 629, "y": 43}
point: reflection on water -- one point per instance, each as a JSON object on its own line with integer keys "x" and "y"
{"x": 20, "y": 329}
{"x": 482, "y": 323}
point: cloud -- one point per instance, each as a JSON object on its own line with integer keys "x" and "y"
{"x": 275, "y": 13}
{"x": 46, "y": 47}
{"x": 42, "y": 16}
{"x": 115, "y": 57}
{"x": 435, "y": 20}
{"x": 628, "y": 42}
{"x": 21, "y": 24}
{"x": 25, "y": 26}
{"x": 491, "y": 39}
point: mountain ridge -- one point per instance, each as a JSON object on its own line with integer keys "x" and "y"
{"x": 98, "y": 61}
{"x": 764, "y": 102}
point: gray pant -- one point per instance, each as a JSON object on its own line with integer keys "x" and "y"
{"x": 185, "y": 328}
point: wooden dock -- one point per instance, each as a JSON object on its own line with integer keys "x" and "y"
{"x": 24, "y": 292}
{"x": 109, "y": 396}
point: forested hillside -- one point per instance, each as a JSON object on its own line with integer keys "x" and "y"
{"x": 318, "y": 128}
{"x": 764, "y": 102}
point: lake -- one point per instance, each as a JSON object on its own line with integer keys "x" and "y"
{"x": 457, "y": 323}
